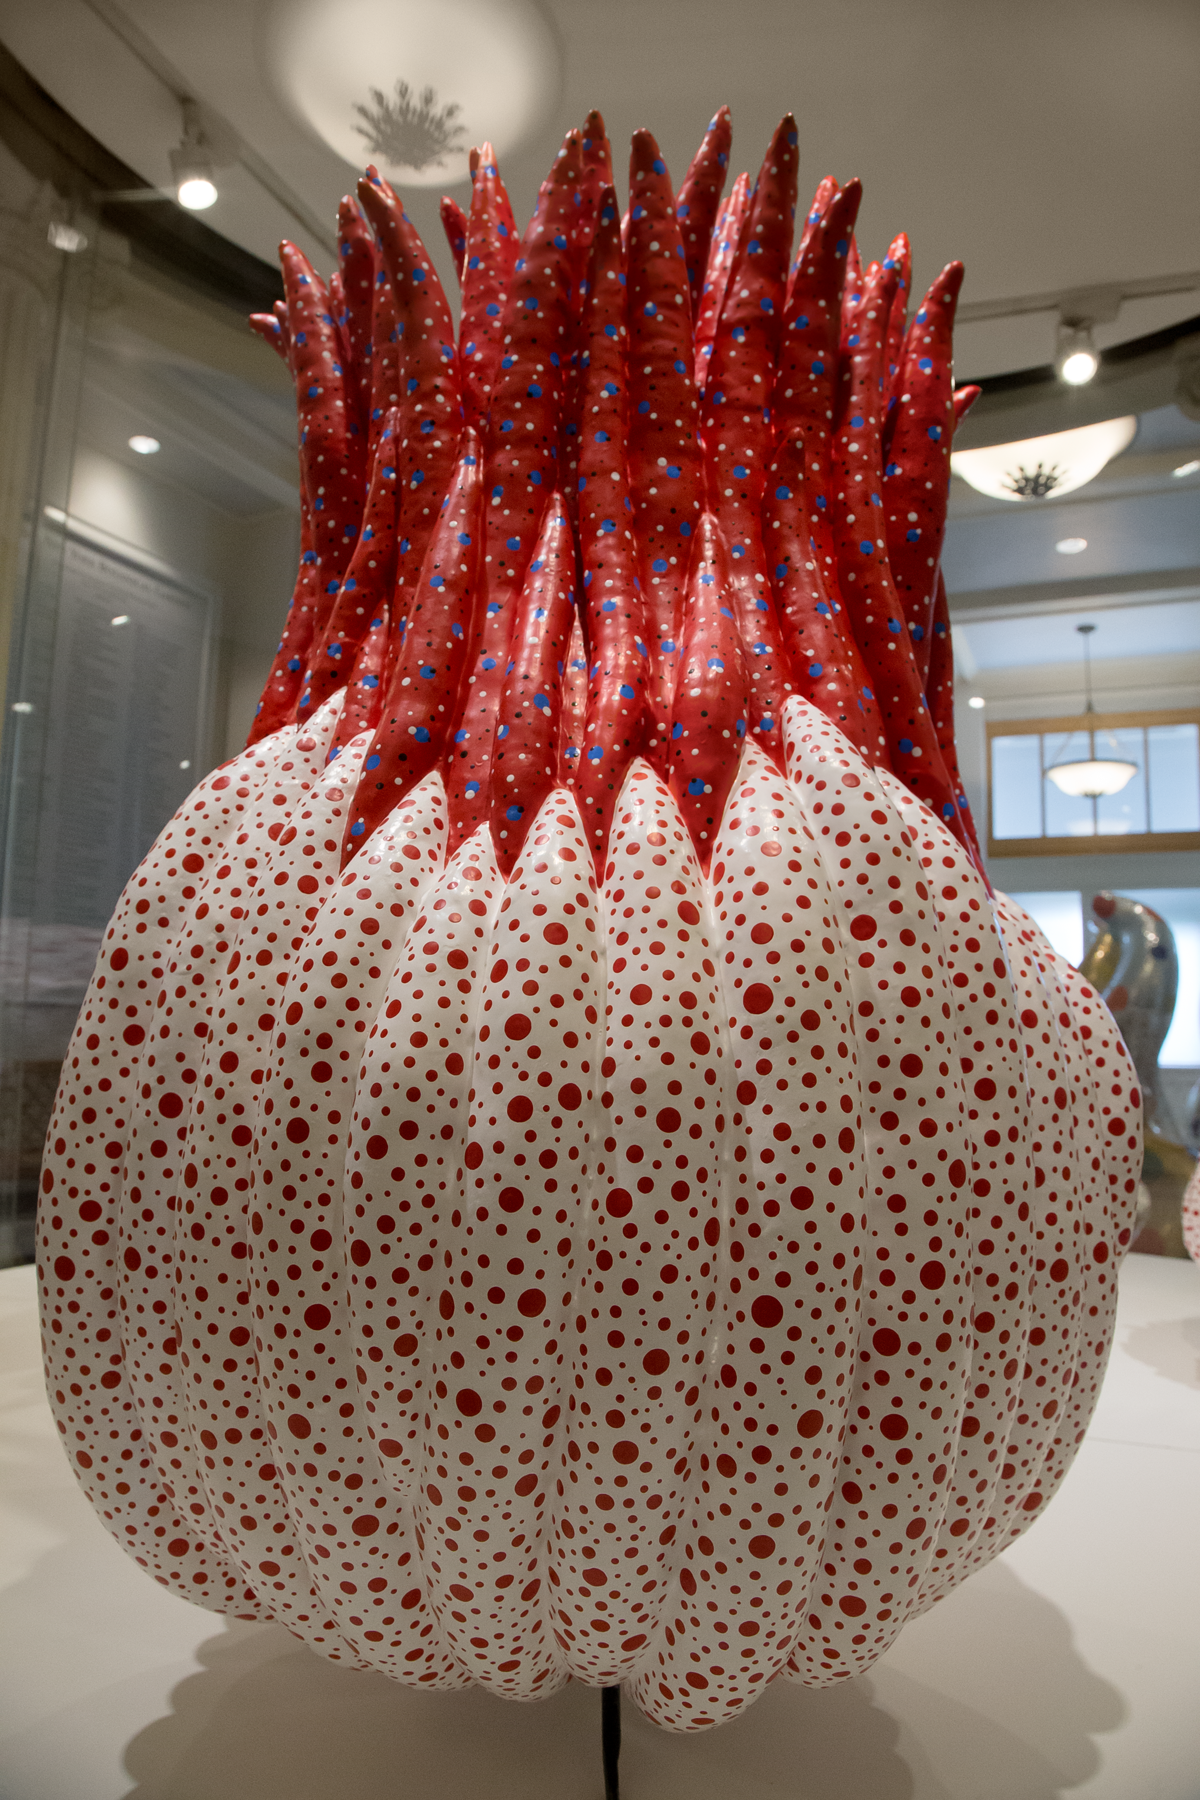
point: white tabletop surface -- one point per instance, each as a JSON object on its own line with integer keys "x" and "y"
{"x": 1070, "y": 1667}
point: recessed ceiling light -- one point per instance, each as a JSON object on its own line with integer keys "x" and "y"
{"x": 1070, "y": 546}
{"x": 186, "y": 763}
{"x": 121, "y": 619}
{"x": 1036, "y": 468}
{"x": 145, "y": 446}
{"x": 1187, "y": 468}
{"x": 977, "y": 702}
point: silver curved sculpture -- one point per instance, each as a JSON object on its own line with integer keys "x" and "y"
{"x": 1132, "y": 962}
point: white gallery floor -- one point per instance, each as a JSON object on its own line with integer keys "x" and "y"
{"x": 1069, "y": 1667}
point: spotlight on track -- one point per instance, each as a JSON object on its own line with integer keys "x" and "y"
{"x": 191, "y": 164}
{"x": 1077, "y": 359}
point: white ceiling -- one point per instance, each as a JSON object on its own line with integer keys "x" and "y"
{"x": 1048, "y": 146}
{"x": 1121, "y": 632}
{"x": 1153, "y": 533}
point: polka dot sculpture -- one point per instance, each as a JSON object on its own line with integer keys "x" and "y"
{"x": 588, "y": 1182}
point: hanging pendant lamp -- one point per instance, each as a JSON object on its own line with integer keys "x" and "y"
{"x": 1091, "y": 777}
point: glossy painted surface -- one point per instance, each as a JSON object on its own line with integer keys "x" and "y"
{"x": 563, "y": 1170}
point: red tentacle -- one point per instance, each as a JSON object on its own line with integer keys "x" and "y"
{"x": 520, "y": 470}
{"x": 616, "y": 680}
{"x": 826, "y": 664}
{"x": 708, "y": 721}
{"x": 699, "y": 199}
{"x": 491, "y": 253}
{"x": 666, "y": 475}
{"x": 364, "y": 690}
{"x": 736, "y": 422}
{"x": 422, "y": 696}
{"x": 916, "y": 484}
{"x": 366, "y": 586}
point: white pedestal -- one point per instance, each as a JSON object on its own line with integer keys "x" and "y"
{"x": 1071, "y": 1666}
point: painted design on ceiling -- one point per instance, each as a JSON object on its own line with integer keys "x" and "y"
{"x": 411, "y": 84}
{"x": 412, "y": 132}
{"x": 1035, "y": 483}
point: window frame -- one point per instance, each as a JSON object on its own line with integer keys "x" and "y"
{"x": 1131, "y": 843}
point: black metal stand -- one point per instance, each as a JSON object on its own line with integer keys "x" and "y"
{"x": 610, "y": 1740}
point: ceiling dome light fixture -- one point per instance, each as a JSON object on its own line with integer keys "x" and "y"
{"x": 1035, "y": 468}
{"x": 1091, "y": 777}
{"x": 410, "y": 85}
{"x": 191, "y": 164}
{"x": 1077, "y": 359}
{"x": 1187, "y": 468}
{"x": 1070, "y": 546}
{"x": 145, "y": 446}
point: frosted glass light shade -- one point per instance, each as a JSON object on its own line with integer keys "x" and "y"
{"x": 410, "y": 85}
{"x": 1092, "y": 778}
{"x": 1034, "y": 468}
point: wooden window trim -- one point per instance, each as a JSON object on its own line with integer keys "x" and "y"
{"x": 1110, "y": 843}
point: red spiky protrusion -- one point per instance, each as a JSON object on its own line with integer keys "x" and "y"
{"x": 866, "y": 580}
{"x": 490, "y": 256}
{"x": 454, "y": 224}
{"x": 736, "y": 422}
{"x": 940, "y": 692}
{"x": 366, "y": 586}
{"x": 826, "y": 666}
{"x": 358, "y": 266}
{"x": 708, "y": 721}
{"x": 574, "y": 707}
{"x": 525, "y": 764}
{"x": 364, "y": 690}
{"x": 429, "y": 401}
{"x": 596, "y": 175}
{"x": 291, "y": 656}
{"x": 521, "y": 445}
{"x": 899, "y": 258}
{"x": 615, "y": 725}
{"x": 916, "y": 474}
{"x": 964, "y": 400}
{"x": 666, "y": 473}
{"x": 650, "y": 371}
{"x": 332, "y": 457}
{"x": 827, "y": 187}
{"x": 806, "y": 381}
{"x": 425, "y": 678}
{"x": 699, "y": 198}
{"x": 271, "y": 331}
{"x": 725, "y": 239}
